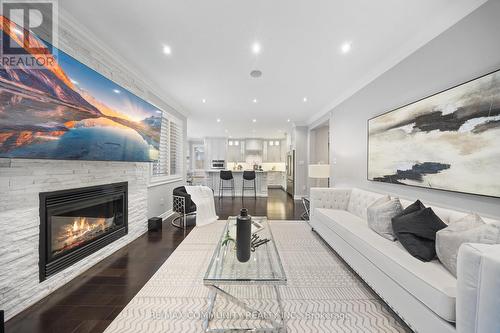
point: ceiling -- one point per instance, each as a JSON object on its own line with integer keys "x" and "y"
{"x": 211, "y": 52}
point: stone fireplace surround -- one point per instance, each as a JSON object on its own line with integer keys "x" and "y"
{"x": 21, "y": 181}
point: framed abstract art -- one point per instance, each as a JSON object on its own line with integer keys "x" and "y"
{"x": 448, "y": 141}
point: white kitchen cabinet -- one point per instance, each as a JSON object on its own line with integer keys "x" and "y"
{"x": 272, "y": 151}
{"x": 283, "y": 151}
{"x": 235, "y": 151}
{"x": 215, "y": 149}
{"x": 253, "y": 145}
{"x": 276, "y": 179}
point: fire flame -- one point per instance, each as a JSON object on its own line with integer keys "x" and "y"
{"x": 82, "y": 226}
{"x": 79, "y": 230}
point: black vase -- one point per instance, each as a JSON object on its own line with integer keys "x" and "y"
{"x": 243, "y": 235}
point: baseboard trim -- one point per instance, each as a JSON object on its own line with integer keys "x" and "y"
{"x": 166, "y": 214}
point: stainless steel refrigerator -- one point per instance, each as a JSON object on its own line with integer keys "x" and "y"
{"x": 290, "y": 172}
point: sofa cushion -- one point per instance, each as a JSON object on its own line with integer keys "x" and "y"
{"x": 380, "y": 217}
{"x": 414, "y": 207}
{"x": 429, "y": 282}
{"x": 470, "y": 229}
{"x": 360, "y": 200}
{"x": 417, "y": 232}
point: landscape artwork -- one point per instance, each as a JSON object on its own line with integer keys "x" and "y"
{"x": 449, "y": 141}
{"x": 66, "y": 110}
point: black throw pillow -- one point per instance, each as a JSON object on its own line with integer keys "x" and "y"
{"x": 414, "y": 207}
{"x": 417, "y": 232}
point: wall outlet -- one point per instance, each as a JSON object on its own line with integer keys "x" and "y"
{"x": 162, "y": 201}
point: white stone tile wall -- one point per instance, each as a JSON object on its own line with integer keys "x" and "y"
{"x": 21, "y": 182}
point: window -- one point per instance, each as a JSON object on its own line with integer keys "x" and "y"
{"x": 170, "y": 159}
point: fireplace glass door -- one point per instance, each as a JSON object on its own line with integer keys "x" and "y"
{"x": 78, "y": 222}
{"x": 71, "y": 227}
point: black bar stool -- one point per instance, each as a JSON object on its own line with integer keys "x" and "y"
{"x": 226, "y": 175}
{"x": 249, "y": 176}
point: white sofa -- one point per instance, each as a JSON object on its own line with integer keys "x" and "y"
{"x": 424, "y": 294}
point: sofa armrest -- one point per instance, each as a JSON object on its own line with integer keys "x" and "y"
{"x": 333, "y": 198}
{"x": 478, "y": 288}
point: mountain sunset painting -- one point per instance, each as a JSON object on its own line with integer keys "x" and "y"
{"x": 65, "y": 110}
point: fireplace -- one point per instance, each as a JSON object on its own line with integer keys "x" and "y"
{"x": 76, "y": 223}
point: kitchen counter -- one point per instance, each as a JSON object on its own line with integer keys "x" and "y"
{"x": 213, "y": 181}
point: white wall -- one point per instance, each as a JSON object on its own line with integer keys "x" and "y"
{"x": 469, "y": 49}
{"x": 300, "y": 143}
{"x": 319, "y": 151}
{"x": 318, "y": 145}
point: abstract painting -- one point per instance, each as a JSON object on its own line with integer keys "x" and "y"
{"x": 448, "y": 141}
{"x": 69, "y": 111}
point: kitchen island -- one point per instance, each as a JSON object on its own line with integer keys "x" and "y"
{"x": 213, "y": 179}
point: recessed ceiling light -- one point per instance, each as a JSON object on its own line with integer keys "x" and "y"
{"x": 304, "y": 99}
{"x": 346, "y": 47}
{"x": 218, "y": 120}
{"x": 288, "y": 120}
{"x": 167, "y": 50}
{"x": 254, "y": 120}
{"x": 116, "y": 91}
{"x": 203, "y": 101}
{"x": 255, "y": 100}
{"x": 256, "y": 48}
{"x": 255, "y": 73}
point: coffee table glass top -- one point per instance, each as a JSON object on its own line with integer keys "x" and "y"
{"x": 263, "y": 267}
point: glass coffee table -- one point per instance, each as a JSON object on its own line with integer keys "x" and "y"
{"x": 263, "y": 269}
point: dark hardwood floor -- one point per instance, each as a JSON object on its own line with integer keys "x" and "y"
{"x": 92, "y": 300}
{"x": 277, "y": 206}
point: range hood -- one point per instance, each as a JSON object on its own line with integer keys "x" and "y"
{"x": 253, "y": 145}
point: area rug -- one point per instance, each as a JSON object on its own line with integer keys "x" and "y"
{"x": 322, "y": 294}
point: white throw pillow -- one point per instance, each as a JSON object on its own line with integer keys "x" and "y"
{"x": 380, "y": 216}
{"x": 469, "y": 229}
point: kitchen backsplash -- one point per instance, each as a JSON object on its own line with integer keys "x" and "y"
{"x": 265, "y": 166}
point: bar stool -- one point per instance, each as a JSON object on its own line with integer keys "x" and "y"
{"x": 249, "y": 176}
{"x": 226, "y": 175}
